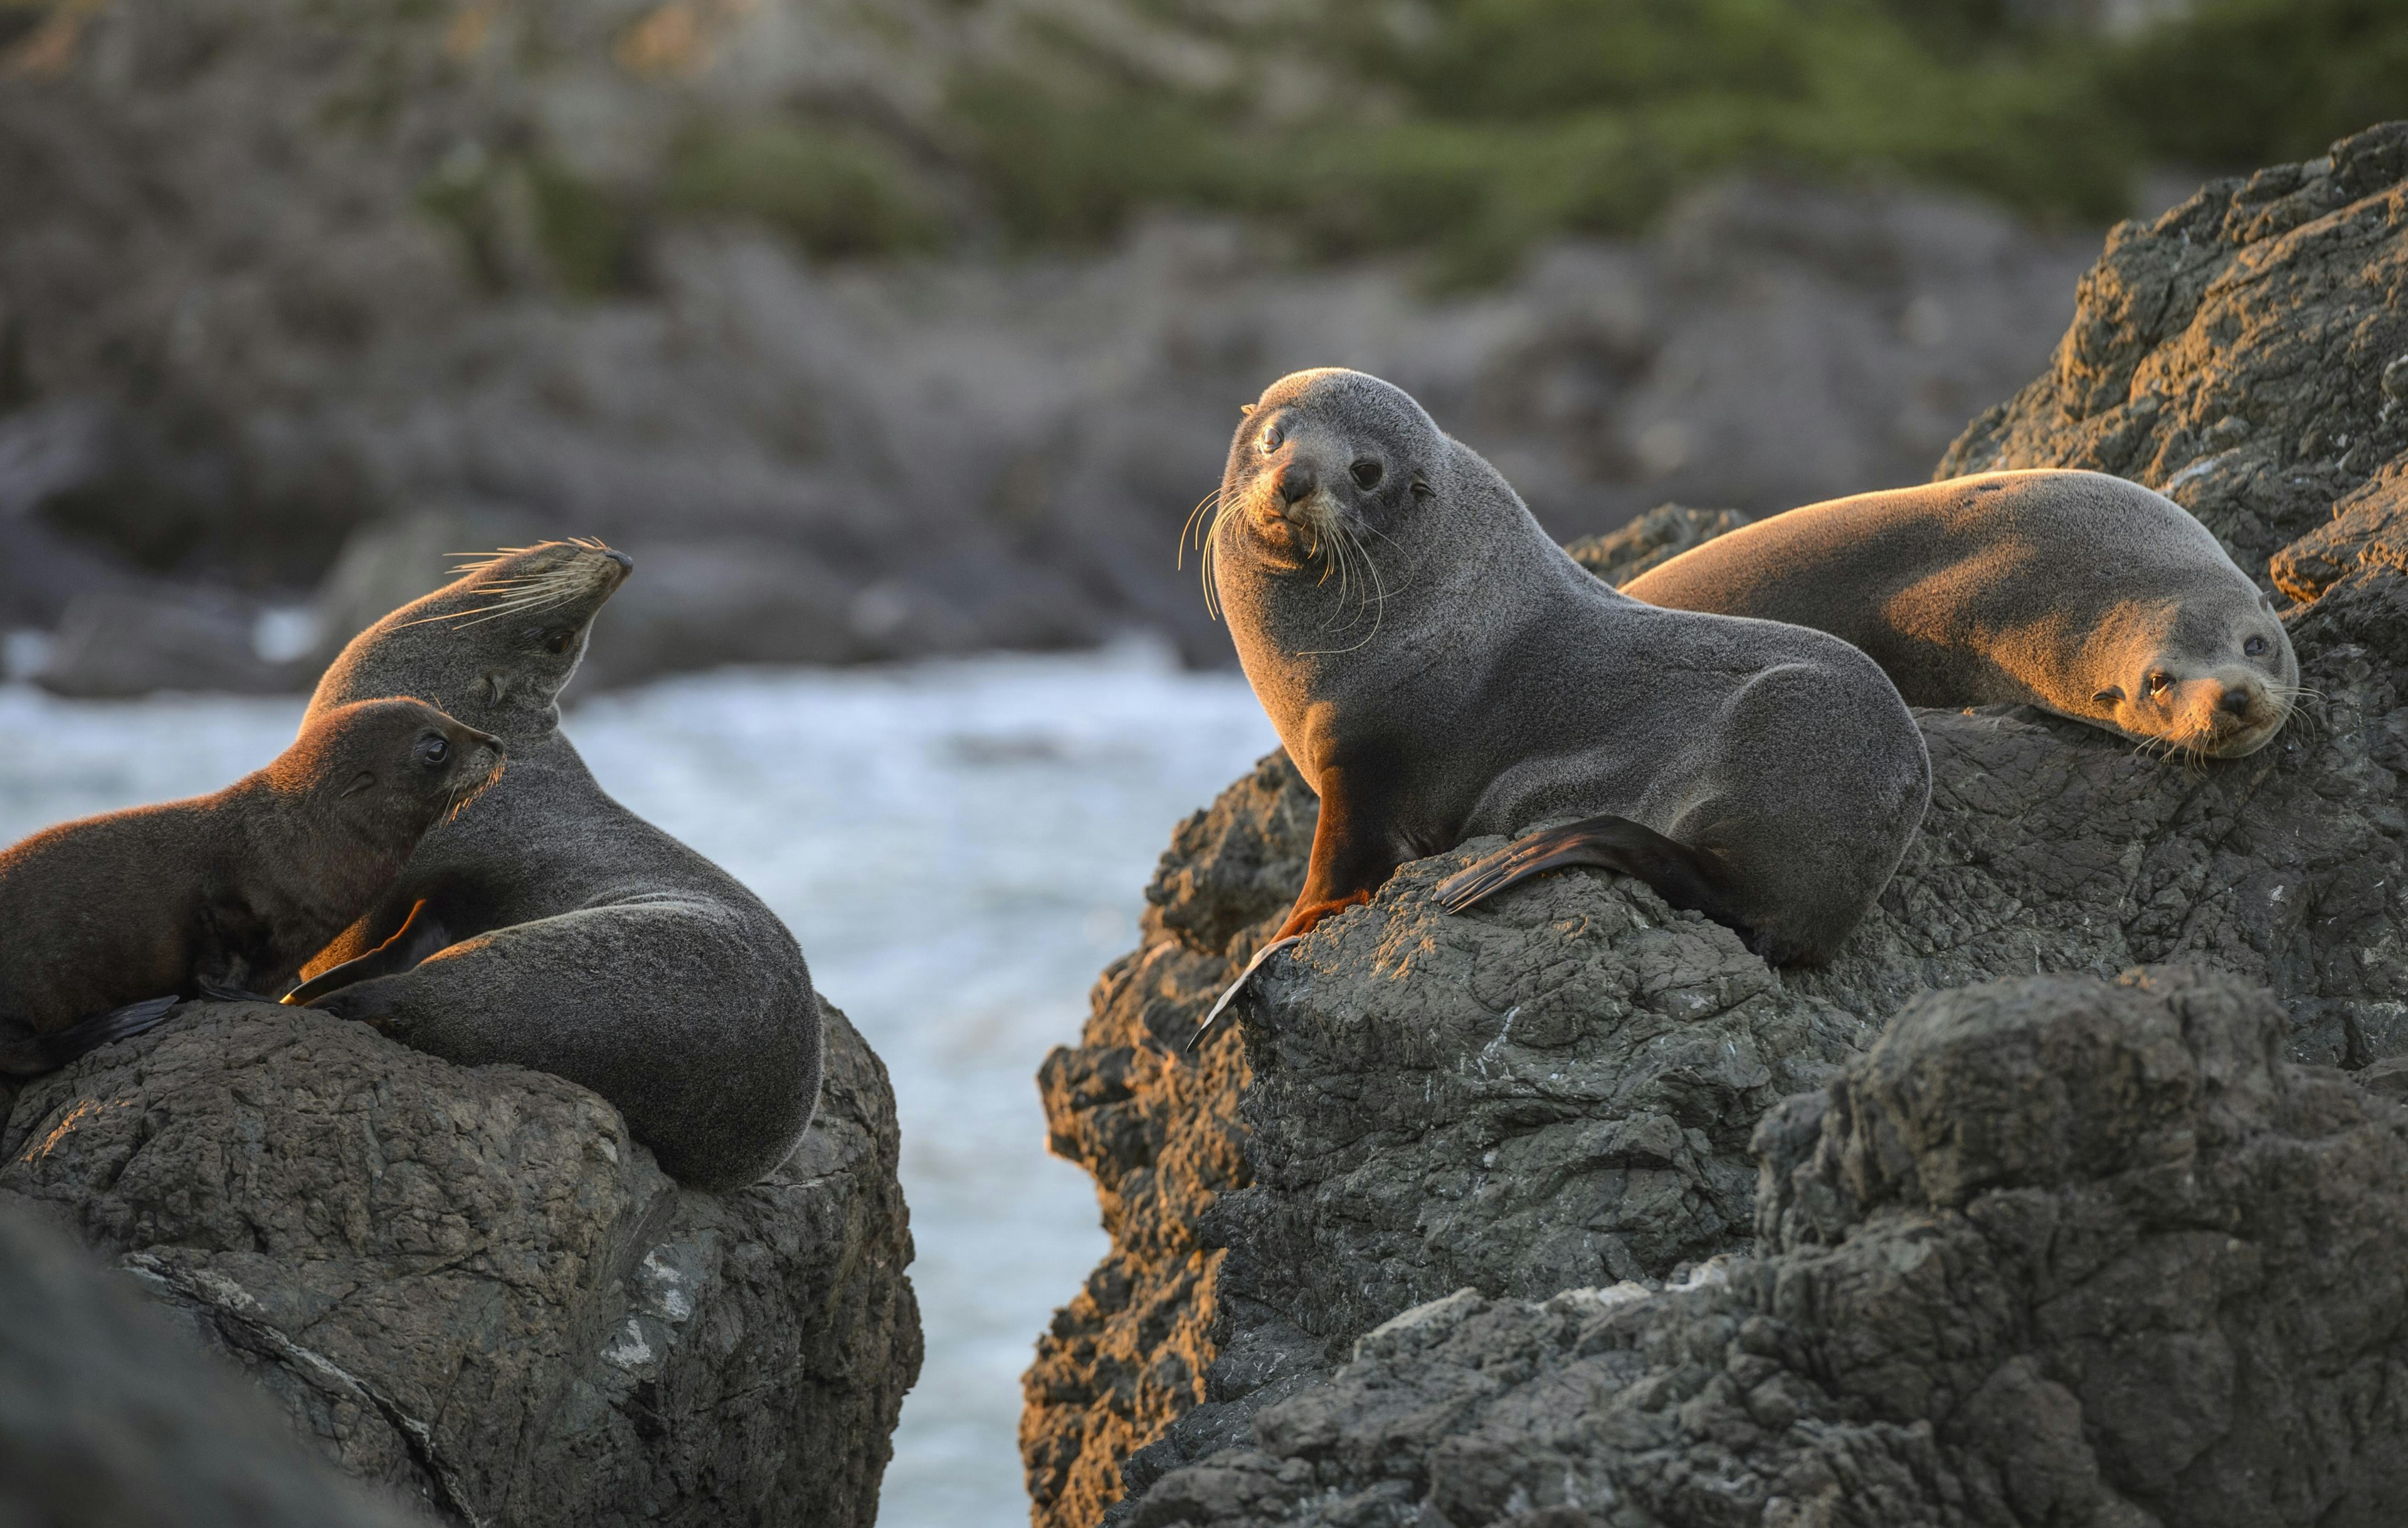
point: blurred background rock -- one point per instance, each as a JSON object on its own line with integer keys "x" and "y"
{"x": 878, "y": 328}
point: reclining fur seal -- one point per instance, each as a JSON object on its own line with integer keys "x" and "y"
{"x": 2081, "y": 593}
{"x": 551, "y": 927}
{"x": 108, "y": 922}
{"x": 1439, "y": 669}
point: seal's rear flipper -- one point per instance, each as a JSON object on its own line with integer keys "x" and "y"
{"x": 1239, "y": 986}
{"x": 37, "y": 1053}
{"x": 1683, "y": 876}
{"x": 421, "y": 935}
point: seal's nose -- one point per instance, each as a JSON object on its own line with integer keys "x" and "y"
{"x": 627, "y": 564}
{"x": 1295, "y": 480}
{"x": 2235, "y": 699}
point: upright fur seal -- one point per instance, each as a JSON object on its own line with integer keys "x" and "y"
{"x": 2077, "y": 592}
{"x": 108, "y": 922}
{"x": 1439, "y": 668}
{"x": 550, "y": 926}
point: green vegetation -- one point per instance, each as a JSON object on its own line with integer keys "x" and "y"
{"x": 1467, "y": 128}
{"x": 833, "y": 194}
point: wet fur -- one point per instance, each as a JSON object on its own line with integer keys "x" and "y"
{"x": 1769, "y": 775}
{"x": 2046, "y": 588}
{"x": 104, "y": 923}
{"x": 551, "y": 927}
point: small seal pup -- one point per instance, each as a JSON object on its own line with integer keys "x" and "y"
{"x": 2077, "y": 592}
{"x": 1439, "y": 668}
{"x": 551, "y": 927}
{"x": 108, "y": 922}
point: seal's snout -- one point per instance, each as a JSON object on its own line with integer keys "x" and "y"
{"x": 627, "y": 564}
{"x": 1295, "y": 481}
{"x": 2236, "y": 700}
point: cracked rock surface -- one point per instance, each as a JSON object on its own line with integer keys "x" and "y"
{"x": 1557, "y": 1091}
{"x": 472, "y": 1286}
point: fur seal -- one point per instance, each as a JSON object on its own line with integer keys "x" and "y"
{"x": 107, "y": 922}
{"x": 1439, "y": 669}
{"x": 2081, "y": 593}
{"x": 551, "y": 927}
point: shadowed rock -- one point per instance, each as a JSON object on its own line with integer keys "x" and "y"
{"x": 473, "y": 1286}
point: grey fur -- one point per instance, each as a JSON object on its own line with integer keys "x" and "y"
{"x": 106, "y": 922}
{"x": 572, "y": 936}
{"x": 2047, "y": 588}
{"x": 1496, "y": 686}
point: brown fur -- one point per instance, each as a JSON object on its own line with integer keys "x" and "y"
{"x": 232, "y": 891}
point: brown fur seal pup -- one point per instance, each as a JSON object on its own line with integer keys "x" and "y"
{"x": 1440, "y": 670}
{"x": 108, "y": 922}
{"x": 2084, "y": 594}
{"x": 551, "y": 927}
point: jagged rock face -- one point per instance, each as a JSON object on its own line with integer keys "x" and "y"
{"x": 475, "y": 1287}
{"x": 110, "y": 1419}
{"x": 2246, "y": 353}
{"x": 1380, "y": 1072}
{"x": 2056, "y": 1251}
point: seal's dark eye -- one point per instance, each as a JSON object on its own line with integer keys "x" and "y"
{"x": 2161, "y": 681}
{"x": 2256, "y": 647}
{"x": 1271, "y": 438}
{"x": 1367, "y": 474}
{"x": 433, "y": 750}
{"x": 559, "y": 641}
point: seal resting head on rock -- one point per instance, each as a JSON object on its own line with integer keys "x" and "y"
{"x": 108, "y": 922}
{"x": 551, "y": 927}
{"x": 1439, "y": 669}
{"x": 2077, "y": 592}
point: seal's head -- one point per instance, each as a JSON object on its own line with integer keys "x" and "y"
{"x": 2207, "y": 678}
{"x": 1326, "y": 474}
{"x": 494, "y": 645}
{"x": 389, "y": 766}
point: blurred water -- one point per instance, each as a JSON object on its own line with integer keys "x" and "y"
{"x": 960, "y": 846}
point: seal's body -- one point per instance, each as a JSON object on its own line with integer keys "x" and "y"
{"x": 551, "y": 927}
{"x": 1439, "y": 668}
{"x": 107, "y": 922}
{"x": 2089, "y": 596}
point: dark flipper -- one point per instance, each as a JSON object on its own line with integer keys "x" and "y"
{"x": 1683, "y": 876}
{"x": 37, "y": 1053}
{"x": 217, "y": 991}
{"x": 421, "y": 935}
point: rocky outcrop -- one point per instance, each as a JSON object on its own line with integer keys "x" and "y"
{"x": 1556, "y": 1093}
{"x": 473, "y": 1286}
{"x": 2053, "y": 1251}
{"x": 110, "y": 1419}
{"x": 271, "y": 282}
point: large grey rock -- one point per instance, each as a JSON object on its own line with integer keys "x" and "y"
{"x": 474, "y": 1285}
{"x": 109, "y": 1418}
{"x": 1388, "y": 1137}
{"x": 2056, "y": 1251}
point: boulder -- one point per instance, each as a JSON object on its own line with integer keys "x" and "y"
{"x": 474, "y": 1287}
{"x": 1554, "y": 1092}
{"x": 2053, "y": 1251}
{"x": 110, "y": 1419}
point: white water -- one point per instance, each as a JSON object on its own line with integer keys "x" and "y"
{"x": 960, "y": 846}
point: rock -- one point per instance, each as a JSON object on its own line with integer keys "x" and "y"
{"x": 473, "y": 1286}
{"x": 1388, "y": 1137}
{"x": 1657, "y": 537}
{"x": 114, "y": 643}
{"x": 110, "y": 1419}
{"x": 2053, "y": 1251}
{"x": 2233, "y": 352}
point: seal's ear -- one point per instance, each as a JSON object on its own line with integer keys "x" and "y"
{"x": 1246, "y": 411}
{"x": 360, "y": 782}
{"x": 1421, "y": 486}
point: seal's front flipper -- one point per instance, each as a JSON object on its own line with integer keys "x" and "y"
{"x": 1683, "y": 876}
{"x": 421, "y": 935}
{"x": 218, "y": 992}
{"x": 33, "y": 1055}
{"x": 1239, "y": 986}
